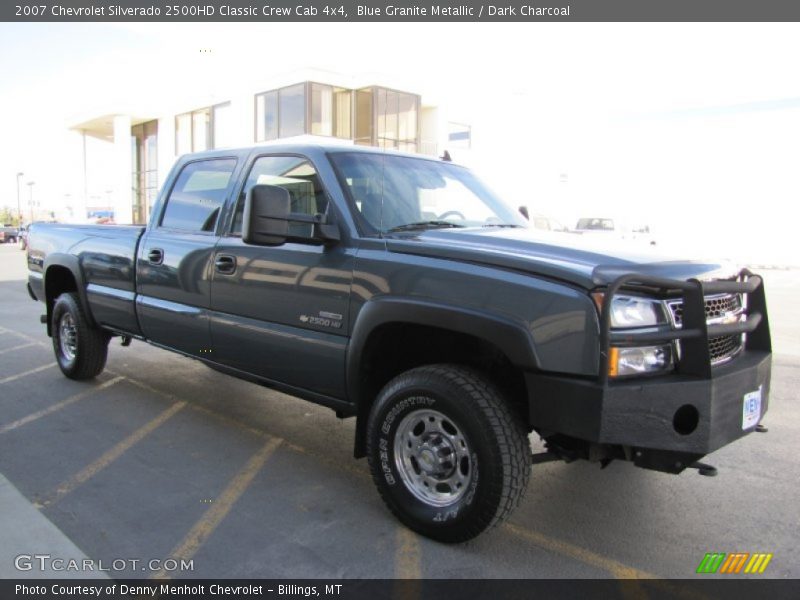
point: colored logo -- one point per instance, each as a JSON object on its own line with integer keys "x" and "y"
{"x": 734, "y": 563}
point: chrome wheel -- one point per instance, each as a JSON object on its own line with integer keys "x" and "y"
{"x": 68, "y": 337}
{"x": 432, "y": 456}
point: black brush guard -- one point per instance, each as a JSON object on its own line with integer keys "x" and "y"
{"x": 695, "y": 332}
{"x": 664, "y": 422}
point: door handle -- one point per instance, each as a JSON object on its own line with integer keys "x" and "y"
{"x": 225, "y": 263}
{"x": 155, "y": 256}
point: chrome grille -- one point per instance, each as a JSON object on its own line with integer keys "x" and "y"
{"x": 718, "y": 307}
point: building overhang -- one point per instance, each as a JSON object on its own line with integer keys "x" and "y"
{"x": 102, "y": 127}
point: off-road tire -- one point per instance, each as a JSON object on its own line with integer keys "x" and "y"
{"x": 496, "y": 444}
{"x": 90, "y": 343}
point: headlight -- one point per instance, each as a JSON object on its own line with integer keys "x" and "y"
{"x": 635, "y": 311}
{"x": 641, "y": 360}
{"x": 632, "y": 312}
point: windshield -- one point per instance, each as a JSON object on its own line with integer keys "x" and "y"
{"x": 395, "y": 193}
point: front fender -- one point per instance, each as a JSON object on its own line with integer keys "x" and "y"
{"x": 510, "y": 336}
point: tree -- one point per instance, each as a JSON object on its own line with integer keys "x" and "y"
{"x": 8, "y": 217}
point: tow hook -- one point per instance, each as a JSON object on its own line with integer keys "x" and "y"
{"x": 761, "y": 429}
{"x": 126, "y": 341}
{"x": 704, "y": 469}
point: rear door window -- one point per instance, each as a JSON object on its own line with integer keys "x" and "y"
{"x": 197, "y": 198}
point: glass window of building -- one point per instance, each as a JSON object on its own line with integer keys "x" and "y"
{"x": 144, "y": 138}
{"x": 388, "y": 108}
{"x": 321, "y": 109}
{"x": 372, "y": 116}
{"x": 314, "y": 108}
{"x": 331, "y": 111}
{"x": 292, "y": 110}
{"x": 267, "y": 116}
{"x": 364, "y": 117}
{"x": 203, "y": 129}
{"x": 342, "y": 113}
{"x": 395, "y": 119}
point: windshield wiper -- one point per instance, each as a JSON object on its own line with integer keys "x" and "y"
{"x": 424, "y": 225}
{"x": 501, "y": 225}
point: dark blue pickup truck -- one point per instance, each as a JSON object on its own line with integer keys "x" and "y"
{"x": 401, "y": 291}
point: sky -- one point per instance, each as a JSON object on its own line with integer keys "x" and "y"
{"x": 693, "y": 128}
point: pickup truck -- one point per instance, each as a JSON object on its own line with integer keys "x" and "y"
{"x": 399, "y": 290}
{"x": 8, "y": 234}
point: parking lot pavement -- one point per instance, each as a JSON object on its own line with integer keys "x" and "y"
{"x": 22, "y": 525}
{"x": 162, "y": 457}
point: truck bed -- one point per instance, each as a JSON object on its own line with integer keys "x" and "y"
{"x": 107, "y": 258}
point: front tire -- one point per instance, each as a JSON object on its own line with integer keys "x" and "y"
{"x": 81, "y": 350}
{"x": 449, "y": 458}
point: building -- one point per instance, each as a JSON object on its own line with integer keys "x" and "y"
{"x": 311, "y": 105}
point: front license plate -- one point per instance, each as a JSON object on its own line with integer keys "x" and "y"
{"x": 751, "y": 410}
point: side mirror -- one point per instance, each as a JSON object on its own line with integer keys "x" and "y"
{"x": 267, "y": 218}
{"x": 524, "y": 212}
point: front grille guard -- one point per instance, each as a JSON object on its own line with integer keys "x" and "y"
{"x": 695, "y": 358}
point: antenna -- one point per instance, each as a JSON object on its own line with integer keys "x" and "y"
{"x": 383, "y": 158}
{"x": 446, "y": 157}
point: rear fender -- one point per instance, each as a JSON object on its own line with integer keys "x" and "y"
{"x": 51, "y": 291}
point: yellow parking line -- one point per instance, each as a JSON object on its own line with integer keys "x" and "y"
{"x": 629, "y": 589}
{"x": 407, "y": 559}
{"x": 151, "y": 389}
{"x": 408, "y": 555}
{"x": 617, "y": 569}
{"x": 110, "y": 456}
{"x": 20, "y": 347}
{"x": 26, "y": 373}
{"x": 55, "y": 407}
{"x": 221, "y": 506}
{"x": 227, "y": 419}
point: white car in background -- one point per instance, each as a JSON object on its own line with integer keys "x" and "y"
{"x": 615, "y": 228}
{"x": 543, "y": 222}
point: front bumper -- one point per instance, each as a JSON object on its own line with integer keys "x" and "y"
{"x": 651, "y": 413}
{"x": 665, "y": 422}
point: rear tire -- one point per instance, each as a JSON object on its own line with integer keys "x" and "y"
{"x": 81, "y": 350}
{"x": 449, "y": 458}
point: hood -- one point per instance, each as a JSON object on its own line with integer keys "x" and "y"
{"x": 587, "y": 261}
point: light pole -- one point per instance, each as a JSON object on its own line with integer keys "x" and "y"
{"x": 30, "y": 199}
{"x": 19, "y": 206}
